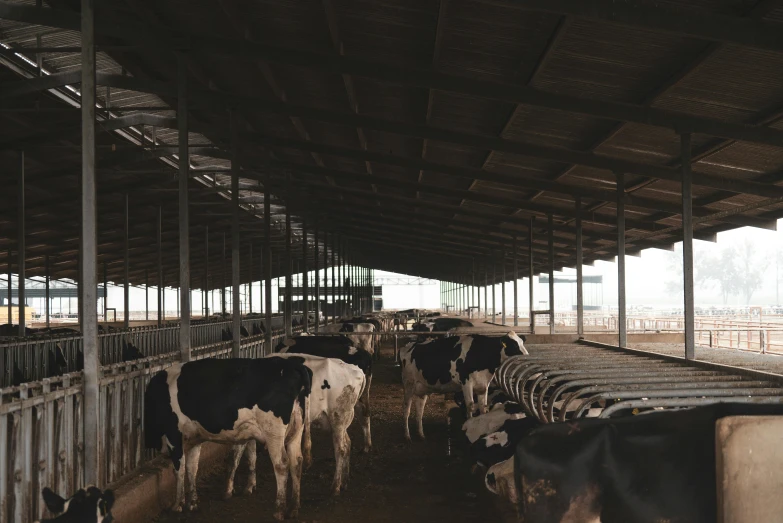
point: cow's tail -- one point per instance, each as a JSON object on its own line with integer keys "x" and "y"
{"x": 304, "y": 402}
{"x": 155, "y": 398}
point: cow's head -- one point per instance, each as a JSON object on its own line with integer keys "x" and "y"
{"x": 513, "y": 345}
{"x": 347, "y": 327}
{"x": 500, "y": 480}
{"x": 87, "y": 505}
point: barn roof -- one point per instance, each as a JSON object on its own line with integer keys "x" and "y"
{"x": 426, "y": 135}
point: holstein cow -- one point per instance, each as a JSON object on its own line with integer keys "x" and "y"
{"x": 362, "y": 341}
{"x": 449, "y": 364}
{"x": 658, "y": 466}
{"x": 490, "y": 422}
{"x": 336, "y": 389}
{"x": 90, "y": 505}
{"x": 341, "y": 348}
{"x": 229, "y": 401}
{"x": 494, "y": 396}
{"x": 500, "y": 444}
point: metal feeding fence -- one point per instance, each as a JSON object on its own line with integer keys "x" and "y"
{"x": 41, "y": 423}
{"x": 558, "y": 383}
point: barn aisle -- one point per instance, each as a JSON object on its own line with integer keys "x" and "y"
{"x": 427, "y": 482}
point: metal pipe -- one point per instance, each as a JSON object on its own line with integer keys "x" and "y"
{"x": 503, "y": 290}
{"x": 486, "y": 291}
{"x": 267, "y": 255}
{"x": 20, "y": 242}
{"x": 531, "y": 276}
{"x": 621, "y": 307}
{"x": 494, "y": 284}
{"x": 250, "y": 282}
{"x": 146, "y": 295}
{"x": 89, "y": 251}
{"x": 305, "y": 281}
{"x": 223, "y": 277}
{"x": 126, "y": 268}
{"x": 687, "y": 245}
{"x": 10, "y": 306}
{"x": 160, "y": 266}
{"x": 236, "y": 311}
{"x": 46, "y": 291}
{"x": 317, "y": 282}
{"x": 287, "y": 305}
{"x": 551, "y": 244}
{"x": 516, "y": 284}
{"x": 334, "y": 297}
{"x": 580, "y": 306}
{"x": 206, "y": 271}
{"x": 184, "y": 210}
{"x": 326, "y": 276}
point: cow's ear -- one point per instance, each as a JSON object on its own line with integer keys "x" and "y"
{"x": 53, "y": 502}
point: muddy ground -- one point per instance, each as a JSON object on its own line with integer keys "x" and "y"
{"x": 426, "y": 482}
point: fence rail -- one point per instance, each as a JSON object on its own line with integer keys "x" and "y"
{"x": 41, "y": 427}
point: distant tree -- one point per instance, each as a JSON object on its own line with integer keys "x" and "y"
{"x": 721, "y": 270}
{"x": 674, "y": 268}
{"x": 751, "y": 268}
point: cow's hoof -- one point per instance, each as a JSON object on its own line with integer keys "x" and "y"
{"x": 293, "y": 513}
{"x": 249, "y": 490}
{"x": 279, "y": 515}
{"x": 228, "y": 495}
{"x": 193, "y": 507}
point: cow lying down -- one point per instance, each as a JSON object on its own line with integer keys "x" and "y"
{"x": 90, "y": 505}
{"x": 443, "y": 365}
{"x": 330, "y": 406}
{"x": 230, "y": 401}
{"x": 659, "y": 466}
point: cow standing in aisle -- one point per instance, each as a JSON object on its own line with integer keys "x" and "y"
{"x": 442, "y": 365}
{"x": 341, "y": 348}
{"x": 229, "y": 401}
{"x": 336, "y": 389}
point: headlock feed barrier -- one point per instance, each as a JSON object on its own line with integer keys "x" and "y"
{"x": 41, "y": 422}
{"x": 558, "y": 383}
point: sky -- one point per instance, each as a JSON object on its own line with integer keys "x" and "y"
{"x": 646, "y": 278}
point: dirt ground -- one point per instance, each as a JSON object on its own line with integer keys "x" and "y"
{"x": 423, "y": 482}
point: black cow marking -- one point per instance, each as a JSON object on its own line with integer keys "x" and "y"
{"x": 326, "y": 385}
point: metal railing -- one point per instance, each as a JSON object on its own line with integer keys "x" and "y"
{"x": 41, "y": 422}
{"x": 561, "y": 383}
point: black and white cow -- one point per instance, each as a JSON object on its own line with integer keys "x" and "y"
{"x": 494, "y": 396}
{"x": 229, "y": 401}
{"x": 360, "y": 334}
{"x": 337, "y": 387}
{"x": 450, "y": 364}
{"x": 341, "y": 348}
{"x": 490, "y": 422}
{"x": 90, "y": 505}
{"x": 499, "y": 445}
{"x": 659, "y": 466}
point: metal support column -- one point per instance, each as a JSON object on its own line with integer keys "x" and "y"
{"x": 250, "y": 281}
{"x": 126, "y": 269}
{"x": 317, "y": 282}
{"x": 494, "y": 284}
{"x": 146, "y": 294}
{"x": 326, "y": 277}
{"x": 160, "y": 266}
{"x": 267, "y": 255}
{"x": 287, "y": 305}
{"x": 10, "y": 301}
{"x": 236, "y": 311}
{"x": 20, "y": 246}
{"x": 89, "y": 252}
{"x": 223, "y": 277}
{"x": 184, "y": 209}
{"x": 516, "y": 284}
{"x": 687, "y": 245}
{"x": 503, "y": 291}
{"x": 580, "y": 305}
{"x": 531, "y": 276}
{"x": 206, "y": 271}
{"x": 621, "y": 311}
{"x": 334, "y": 282}
{"x": 486, "y": 291}
{"x": 305, "y": 282}
{"x": 551, "y": 245}
{"x": 47, "y": 298}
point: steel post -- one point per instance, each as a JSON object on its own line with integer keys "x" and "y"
{"x": 531, "y": 276}
{"x": 236, "y": 312}
{"x": 146, "y": 294}
{"x": 184, "y": 209}
{"x": 105, "y": 292}
{"x": 267, "y": 255}
{"x": 503, "y": 291}
{"x": 89, "y": 252}
{"x": 621, "y": 307}
{"x": 206, "y": 271}
{"x": 287, "y": 305}
{"x": 305, "y": 282}
{"x": 317, "y": 282}
{"x": 126, "y": 268}
{"x": 334, "y": 282}
{"x": 250, "y": 281}
{"x": 687, "y": 245}
{"x": 326, "y": 277}
{"x": 9, "y": 303}
{"x": 486, "y": 291}
{"x": 516, "y": 284}
{"x": 494, "y": 284}
{"x": 47, "y": 298}
{"x": 551, "y": 244}
{"x": 20, "y": 246}
{"x": 160, "y": 266}
{"x": 580, "y": 305}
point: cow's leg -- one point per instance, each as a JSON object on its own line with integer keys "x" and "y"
{"x": 338, "y": 436}
{"x": 406, "y": 413}
{"x": 365, "y": 401}
{"x": 467, "y": 392}
{"x": 233, "y": 464}
{"x": 250, "y": 452}
{"x": 277, "y": 453}
{"x": 179, "y": 498}
{"x": 419, "y": 403}
{"x": 484, "y": 400}
{"x": 191, "y": 467}
{"x": 346, "y": 460}
{"x": 294, "y": 452}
